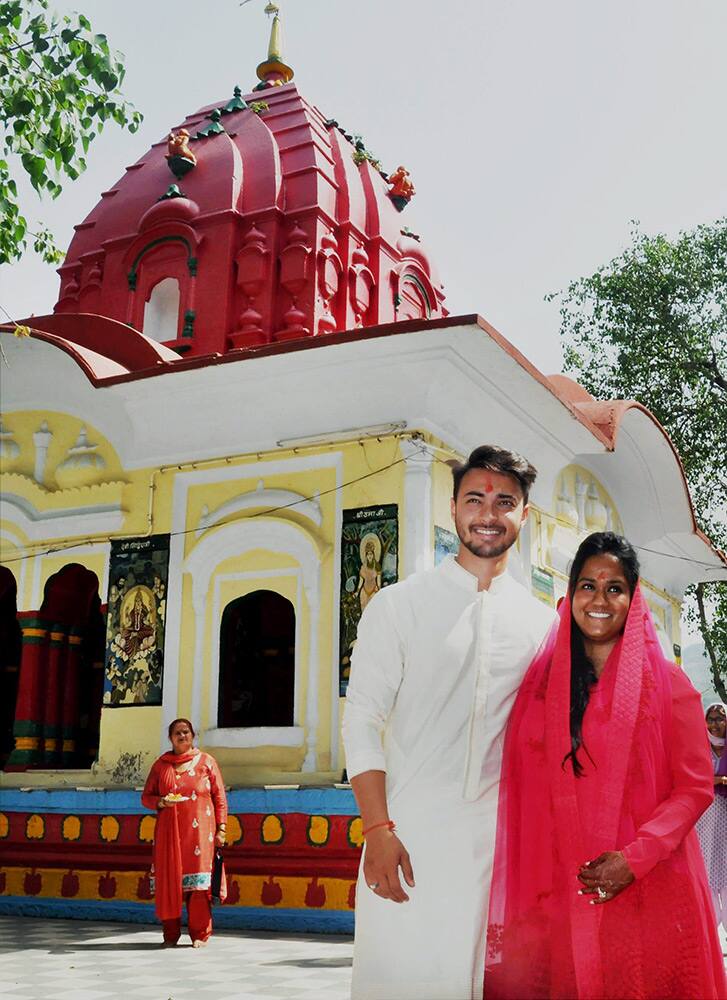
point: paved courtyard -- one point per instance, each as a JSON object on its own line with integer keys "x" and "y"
{"x": 80, "y": 960}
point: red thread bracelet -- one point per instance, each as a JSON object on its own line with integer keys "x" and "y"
{"x": 389, "y": 823}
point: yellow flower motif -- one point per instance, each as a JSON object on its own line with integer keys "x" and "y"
{"x": 35, "y": 827}
{"x": 21, "y": 331}
{"x": 318, "y": 830}
{"x": 234, "y": 830}
{"x": 272, "y": 830}
{"x": 71, "y": 828}
{"x": 109, "y": 828}
{"x": 4, "y": 825}
{"x": 355, "y": 832}
{"x": 146, "y": 829}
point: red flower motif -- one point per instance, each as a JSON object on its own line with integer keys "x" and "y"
{"x": 69, "y": 885}
{"x": 271, "y": 893}
{"x": 107, "y": 886}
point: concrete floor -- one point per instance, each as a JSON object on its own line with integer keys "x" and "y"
{"x": 79, "y": 960}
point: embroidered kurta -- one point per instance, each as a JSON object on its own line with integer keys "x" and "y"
{"x": 197, "y": 817}
{"x": 434, "y": 672}
{"x": 712, "y": 832}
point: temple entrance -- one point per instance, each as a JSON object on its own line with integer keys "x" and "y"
{"x": 257, "y": 661}
{"x": 60, "y": 688}
{"x": 10, "y": 647}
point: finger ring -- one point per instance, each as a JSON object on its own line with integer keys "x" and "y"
{"x": 374, "y": 885}
{"x": 602, "y": 894}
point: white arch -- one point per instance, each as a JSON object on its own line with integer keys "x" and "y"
{"x": 235, "y": 539}
{"x": 161, "y": 312}
{"x": 261, "y": 497}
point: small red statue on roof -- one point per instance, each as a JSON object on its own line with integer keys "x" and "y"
{"x": 180, "y": 157}
{"x": 402, "y": 189}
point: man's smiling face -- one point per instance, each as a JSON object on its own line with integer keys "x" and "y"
{"x": 488, "y": 512}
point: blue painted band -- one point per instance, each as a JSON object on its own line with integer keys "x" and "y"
{"x": 240, "y": 917}
{"x": 118, "y": 802}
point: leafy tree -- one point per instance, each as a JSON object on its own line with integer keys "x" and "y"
{"x": 58, "y": 86}
{"x": 652, "y": 325}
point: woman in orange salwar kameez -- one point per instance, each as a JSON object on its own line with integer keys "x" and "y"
{"x": 185, "y": 788}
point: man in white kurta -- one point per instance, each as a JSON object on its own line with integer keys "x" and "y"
{"x": 436, "y": 667}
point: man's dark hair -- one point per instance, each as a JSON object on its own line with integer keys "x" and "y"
{"x": 493, "y": 459}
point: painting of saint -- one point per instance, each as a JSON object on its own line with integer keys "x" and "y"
{"x": 369, "y": 561}
{"x": 135, "y": 621}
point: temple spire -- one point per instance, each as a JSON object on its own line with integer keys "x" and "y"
{"x": 274, "y": 71}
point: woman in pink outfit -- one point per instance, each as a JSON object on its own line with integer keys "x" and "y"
{"x": 185, "y": 788}
{"x": 599, "y": 889}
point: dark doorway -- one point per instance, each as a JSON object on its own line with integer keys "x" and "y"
{"x": 10, "y": 647}
{"x": 257, "y": 661}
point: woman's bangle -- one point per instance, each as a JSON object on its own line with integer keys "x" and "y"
{"x": 388, "y": 823}
{"x": 221, "y": 826}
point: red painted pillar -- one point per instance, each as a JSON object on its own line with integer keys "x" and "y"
{"x": 53, "y": 697}
{"x": 70, "y": 716}
{"x": 29, "y": 714}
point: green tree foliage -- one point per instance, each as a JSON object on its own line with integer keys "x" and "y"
{"x": 652, "y": 326}
{"x": 59, "y": 84}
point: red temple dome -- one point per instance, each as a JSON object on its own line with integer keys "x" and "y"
{"x": 256, "y": 221}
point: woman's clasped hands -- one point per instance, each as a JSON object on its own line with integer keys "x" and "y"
{"x": 605, "y": 877}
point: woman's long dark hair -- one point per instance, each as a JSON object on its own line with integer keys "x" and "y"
{"x": 582, "y": 672}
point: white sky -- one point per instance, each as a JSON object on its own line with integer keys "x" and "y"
{"x": 534, "y": 129}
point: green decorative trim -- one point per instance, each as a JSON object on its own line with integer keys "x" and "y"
{"x": 191, "y": 261}
{"x": 215, "y": 127}
{"x": 171, "y": 192}
{"x": 235, "y": 104}
{"x": 413, "y": 280}
{"x": 188, "y": 328}
{"x": 26, "y": 727}
{"x": 199, "y": 880}
{"x": 22, "y": 758}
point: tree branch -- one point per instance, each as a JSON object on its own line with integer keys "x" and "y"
{"x": 717, "y": 680}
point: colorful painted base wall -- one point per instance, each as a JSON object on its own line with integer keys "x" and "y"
{"x": 292, "y": 857}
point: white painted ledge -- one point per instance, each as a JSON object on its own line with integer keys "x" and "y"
{"x": 260, "y": 736}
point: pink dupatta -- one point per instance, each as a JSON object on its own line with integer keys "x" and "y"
{"x": 546, "y": 941}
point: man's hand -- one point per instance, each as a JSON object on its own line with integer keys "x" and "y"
{"x": 385, "y": 855}
{"x": 606, "y": 876}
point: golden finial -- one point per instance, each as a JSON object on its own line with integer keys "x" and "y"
{"x": 274, "y": 70}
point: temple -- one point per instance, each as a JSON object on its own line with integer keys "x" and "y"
{"x": 236, "y": 426}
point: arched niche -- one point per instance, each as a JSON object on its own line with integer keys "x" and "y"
{"x": 161, "y": 312}
{"x": 10, "y": 650}
{"x": 257, "y": 662}
{"x": 414, "y": 301}
{"x": 202, "y": 564}
{"x": 580, "y": 506}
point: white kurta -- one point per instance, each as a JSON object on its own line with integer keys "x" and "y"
{"x": 434, "y": 673}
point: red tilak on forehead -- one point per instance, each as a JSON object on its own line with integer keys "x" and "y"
{"x": 488, "y": 487}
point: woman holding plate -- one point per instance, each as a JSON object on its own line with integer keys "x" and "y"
{"x": 186, "y": 790}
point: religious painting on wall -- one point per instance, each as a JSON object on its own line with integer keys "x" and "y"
{"x": 446, "y": 544}
{"x": 135, "y": 622}
{"x": 369, "y": 561}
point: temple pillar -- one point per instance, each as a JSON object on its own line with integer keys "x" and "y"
{"x": 53, "y": 700}
{"x": 29, "y": 714}
{"x": 94, "y": 717}
{"x": 418, "y": 552}
{"x": 69, "y": 718}
{"x": 313, "y": 596}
